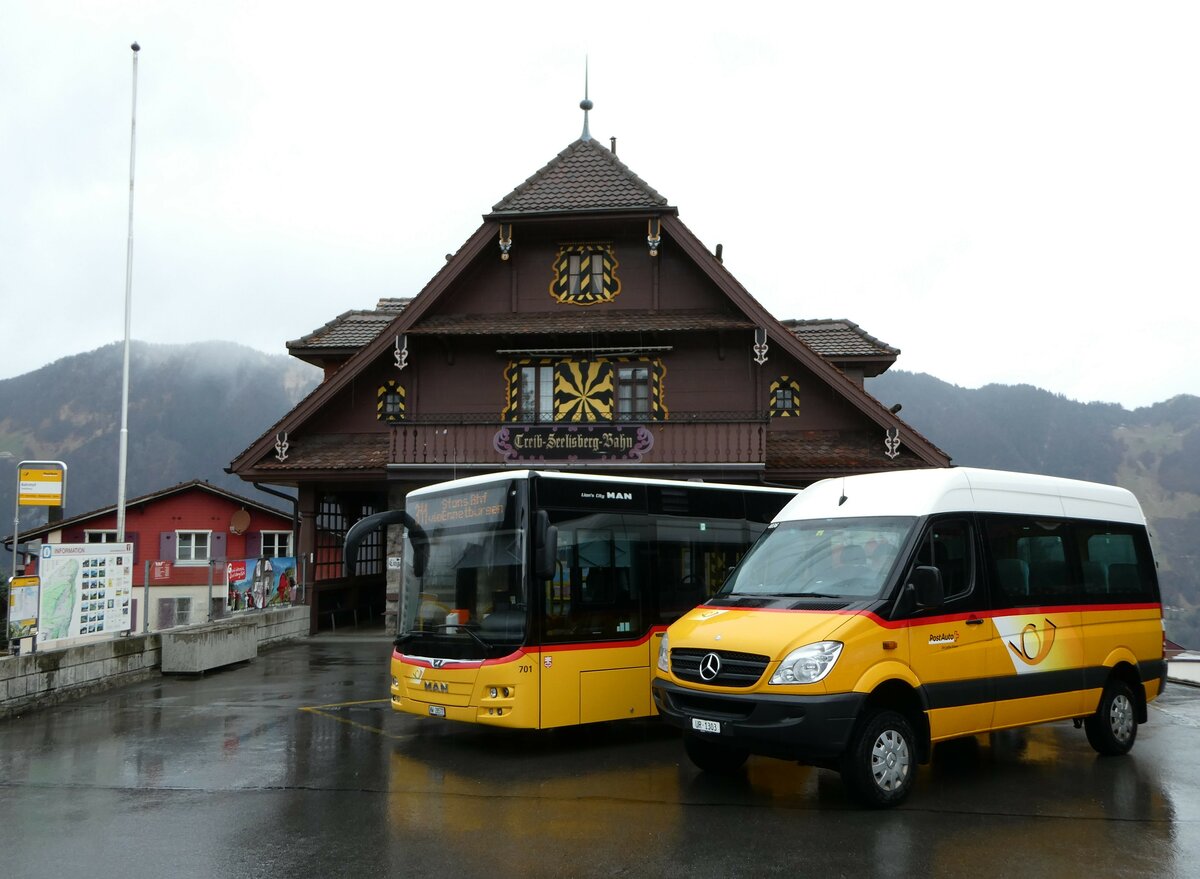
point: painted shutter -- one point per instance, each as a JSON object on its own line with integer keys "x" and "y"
{"x": 254, "y": 545}
{"x": 217, "y": 550}
{"x": 166, "y": 546}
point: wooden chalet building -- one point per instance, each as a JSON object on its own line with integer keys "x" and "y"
{"x": 582, "y": 325}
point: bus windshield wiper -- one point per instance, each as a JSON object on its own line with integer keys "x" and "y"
{"x": 464, "y": 628}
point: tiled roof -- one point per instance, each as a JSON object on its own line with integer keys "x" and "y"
{"x": 352, "y": 329}
{"x": 839, "y": 338}
{"x": 578, "y": 320}
{"x": 831, "y": 451}
{"x": 333, "y": 451}
{"x": 585, "y": 176}
{"x": 198, "y": 484}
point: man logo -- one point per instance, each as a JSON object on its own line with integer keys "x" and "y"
{"x": 437, "y": 686}
{"x": 710, "y": 667}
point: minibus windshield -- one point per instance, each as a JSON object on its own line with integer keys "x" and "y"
{"x": 832, "y": 558}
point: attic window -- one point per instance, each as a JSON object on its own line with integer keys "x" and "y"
{"x": 585, "y": 274}
{"x": 390, "y": 402}
{"x": 785, "y": 397}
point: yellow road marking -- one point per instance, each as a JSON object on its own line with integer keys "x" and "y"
{"x": 323, "y": 711}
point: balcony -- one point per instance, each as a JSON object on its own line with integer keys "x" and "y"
{"x": 700, "y": 439}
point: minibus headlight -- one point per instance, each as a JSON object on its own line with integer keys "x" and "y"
{"x": 664, "y": 655}
{"x": 808, "y": 664}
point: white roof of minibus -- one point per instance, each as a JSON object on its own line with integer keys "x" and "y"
{"x": 505, "y": 475}
{"x": 961, "y": 489}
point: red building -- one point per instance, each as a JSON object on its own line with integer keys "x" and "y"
{"x": 183, "y": 538}
{"x": 582, "y": 325}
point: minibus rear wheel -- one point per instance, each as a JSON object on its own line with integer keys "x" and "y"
{"x": 1113, "y": 728}
{"x": 712, "y": 756}
{"x": 880, "y": 764}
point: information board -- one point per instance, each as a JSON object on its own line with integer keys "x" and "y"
{"x": 86, "y": 590}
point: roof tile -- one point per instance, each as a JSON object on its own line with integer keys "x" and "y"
{"x": 584, "y": 176}
{"x": 839, "y": 338}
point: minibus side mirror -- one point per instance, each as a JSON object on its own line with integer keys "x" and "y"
{"x": 926, "y": 585}
{"x": 545, "y": 546}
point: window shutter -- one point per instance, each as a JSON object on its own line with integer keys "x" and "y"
{"x": 166, "y": 546}
{"x": 254, "y": 545}
{"x": 217, "y": 550}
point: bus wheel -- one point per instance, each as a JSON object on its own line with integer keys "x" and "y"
{"x": 712, "y": 756}
{"x": 880, "y": 764}
{"x": 1113, "y": 728}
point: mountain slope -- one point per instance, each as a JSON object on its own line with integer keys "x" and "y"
{"x": 192, "y": 408}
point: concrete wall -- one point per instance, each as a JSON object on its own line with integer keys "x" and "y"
{"x": 37, "y": 680}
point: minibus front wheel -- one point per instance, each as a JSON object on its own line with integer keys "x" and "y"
{"x": 880, "y": 763}
{"x": 1113, "y": 728}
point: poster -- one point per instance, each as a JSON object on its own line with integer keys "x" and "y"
{"x": 261, "y": 582}
{"x": 86, "y": 590}
{"x": 22, "y": 607}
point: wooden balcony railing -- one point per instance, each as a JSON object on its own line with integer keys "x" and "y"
{"x": 706, "y": 439}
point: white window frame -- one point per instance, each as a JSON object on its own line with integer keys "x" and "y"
{"x": 277, "y": 536}
{"x": 191, "y": 558}
{"x": 537, "y": 393}
{"x": 180, "y": 612}
{"x": 100, "y": 535}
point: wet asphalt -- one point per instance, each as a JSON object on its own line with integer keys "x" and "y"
{"x": 294, "y": 765}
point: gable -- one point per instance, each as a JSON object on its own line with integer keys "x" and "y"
{"x": 580, "y": 279}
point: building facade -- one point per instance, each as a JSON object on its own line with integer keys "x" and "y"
{"x": 186, "y": 541}
{"x": 582, "y": 326}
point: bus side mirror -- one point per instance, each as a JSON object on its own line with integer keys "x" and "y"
{"x": 420, "y": 545}
{"x": 545, "y": 546}
{"x": 926, "y": 585}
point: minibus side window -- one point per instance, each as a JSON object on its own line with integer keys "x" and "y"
{"x": 947, "y": 545}
{"x": 1029, "y": 562}
{"x": 1115, "y": 561}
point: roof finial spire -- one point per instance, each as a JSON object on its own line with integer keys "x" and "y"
{"x": 585, "y": 104}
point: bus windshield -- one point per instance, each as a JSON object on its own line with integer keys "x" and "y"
{"x": 464, "y": 570}
{"x": 828, "y": 558}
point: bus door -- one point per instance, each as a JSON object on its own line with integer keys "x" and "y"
{"x": 595, "y": 659}
{"x": 949, "y": 645}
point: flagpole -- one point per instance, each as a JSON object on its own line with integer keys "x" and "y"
{"x": 123, "y": 454}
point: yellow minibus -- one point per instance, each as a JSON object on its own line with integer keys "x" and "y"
{"x": 883, "y": 613}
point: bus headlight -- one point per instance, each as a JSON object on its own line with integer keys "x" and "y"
{"x": 664, "y": 655}
{"x": 808, "y": 664}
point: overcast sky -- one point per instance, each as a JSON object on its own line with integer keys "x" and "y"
{"x": 1007, "y": 192}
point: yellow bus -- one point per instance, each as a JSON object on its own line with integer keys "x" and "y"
{"x": 536, "y": 599}
{"x": 881, "y": 614}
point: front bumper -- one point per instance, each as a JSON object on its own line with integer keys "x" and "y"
{"x": 808, "y": 729}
